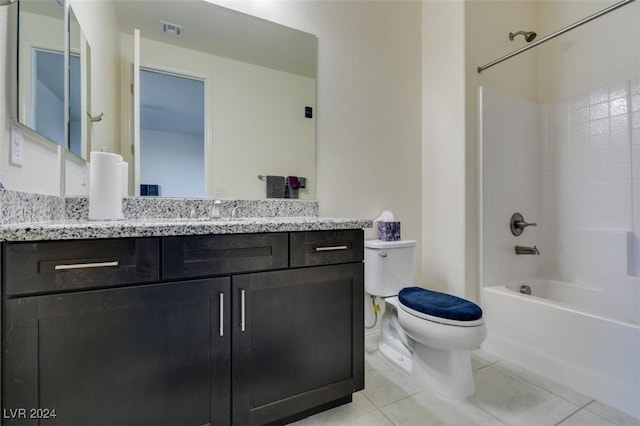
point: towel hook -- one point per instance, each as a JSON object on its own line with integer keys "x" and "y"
{"x": 95, "y": 118}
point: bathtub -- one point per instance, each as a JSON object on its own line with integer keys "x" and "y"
{"x": 576, "y": 344}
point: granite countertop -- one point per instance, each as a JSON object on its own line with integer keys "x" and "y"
{"x": 85, "y": 229}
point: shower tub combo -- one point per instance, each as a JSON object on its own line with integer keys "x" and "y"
{"x": 569, "y": 334}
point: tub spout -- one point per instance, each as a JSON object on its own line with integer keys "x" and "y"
{"x": 527, "y": 250}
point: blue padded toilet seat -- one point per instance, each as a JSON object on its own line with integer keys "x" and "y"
{"x": 440, "y": 307}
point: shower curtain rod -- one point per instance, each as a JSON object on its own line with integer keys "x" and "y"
{"x": 556, "y": 34}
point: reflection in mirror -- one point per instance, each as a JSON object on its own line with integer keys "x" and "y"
{"x": 258, "y": 77}
{"x": 172, "y": 139}
{"x": 41, "y": 85}
{"x": 79, "y": 89}
{"x": 75, "y": 125}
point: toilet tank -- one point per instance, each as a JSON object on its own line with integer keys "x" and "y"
{"x": 388, "y": 266}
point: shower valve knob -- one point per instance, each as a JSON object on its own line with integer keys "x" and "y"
{"x": 518, "y": 224}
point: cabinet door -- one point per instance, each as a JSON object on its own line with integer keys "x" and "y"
{"x": 150, "y": 355}
{"x": 298, "y": 341}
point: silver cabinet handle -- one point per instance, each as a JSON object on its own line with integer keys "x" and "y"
{"x": 86, "y": 265}
{"x": 221, "y": 314}
{"x": 330, "y": 248}
{"x": 242, "y": 311}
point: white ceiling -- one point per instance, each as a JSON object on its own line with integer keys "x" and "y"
{"x": 220, "y": 31}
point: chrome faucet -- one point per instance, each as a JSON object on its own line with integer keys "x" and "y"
{"x": 234, "y": 212}
{"x": 215, "y": 210}
{"x": 527, "y": 250}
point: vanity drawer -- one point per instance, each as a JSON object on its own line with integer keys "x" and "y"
{"x": 326, "y": 247}
{"x": 207, "y": 255}
{"x": 53, "y": 266}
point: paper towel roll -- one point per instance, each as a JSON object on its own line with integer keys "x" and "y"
{"x": 105, "y": 186}
{"x": 125, "y": 179}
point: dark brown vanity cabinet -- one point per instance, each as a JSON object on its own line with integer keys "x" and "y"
{"x": 198, "y": 330}
{"x": 151, "y": 355}
{"x": 297, "y": 341}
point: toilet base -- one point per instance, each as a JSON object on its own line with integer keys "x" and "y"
{"x": 447, "y": 373}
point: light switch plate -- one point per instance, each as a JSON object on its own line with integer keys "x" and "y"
{"x": 16, "y": 156}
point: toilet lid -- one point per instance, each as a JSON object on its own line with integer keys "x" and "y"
{"x": 440, "y": 305}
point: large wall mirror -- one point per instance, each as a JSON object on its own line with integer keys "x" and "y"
{"x": 223, "y": 96}
{"x": 49, "y": 93}
{"x": 41, "y": 68}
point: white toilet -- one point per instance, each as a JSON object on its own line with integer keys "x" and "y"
{"x": 426, "y": 334}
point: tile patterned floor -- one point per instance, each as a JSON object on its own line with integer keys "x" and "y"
{"x": 505, "y": 395}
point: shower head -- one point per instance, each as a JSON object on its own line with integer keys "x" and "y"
{"x": 6, "y": 2}
{"x": 528, "y": 35}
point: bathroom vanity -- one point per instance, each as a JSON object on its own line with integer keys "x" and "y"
{"x": 181, "y": 323}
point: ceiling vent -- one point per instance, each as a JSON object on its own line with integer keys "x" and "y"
{"x": 171, "y": 29}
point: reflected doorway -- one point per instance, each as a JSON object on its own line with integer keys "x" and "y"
{"x": 172, "y": 139}
{"x": 48, "y": 89}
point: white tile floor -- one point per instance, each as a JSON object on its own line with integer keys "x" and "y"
{"x": 505, "y": 395}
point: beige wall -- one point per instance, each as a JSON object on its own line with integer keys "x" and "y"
{"x": 369, "y": 102}
{"x": 443, "y": 135}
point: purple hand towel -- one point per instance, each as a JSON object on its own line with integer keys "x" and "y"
{"x": 294, "y": 182}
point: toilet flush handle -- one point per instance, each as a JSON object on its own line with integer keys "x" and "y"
{"x": 383, "y": 254}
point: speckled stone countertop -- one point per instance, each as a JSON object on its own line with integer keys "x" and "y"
{"x": 85, "y": 229}
{"x": 36, "y": 217}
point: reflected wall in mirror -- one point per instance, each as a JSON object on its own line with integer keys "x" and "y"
{"x": 79, "y": 89}
{"x": 41, "y": 64}
{"x": 257, "y": 78}
{"x": 43, "y": 97}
